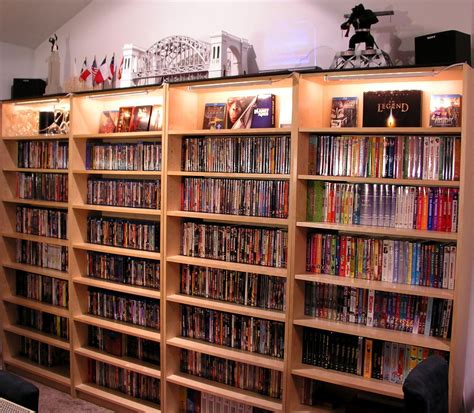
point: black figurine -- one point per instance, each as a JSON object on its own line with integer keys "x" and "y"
{"x": 361, "y": 18}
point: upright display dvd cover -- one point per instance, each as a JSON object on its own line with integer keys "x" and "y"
{"x": 445, "y": 111}
{"x": 344, "y": 112}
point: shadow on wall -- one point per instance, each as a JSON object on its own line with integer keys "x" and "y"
{"x": 401, "y": 48}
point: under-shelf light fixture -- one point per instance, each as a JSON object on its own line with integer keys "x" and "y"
{"x": 388, "y": 75}
{"x": 119, "y": 94}
{"x": 230, "y": 84}
{"x": 29, "y": 102}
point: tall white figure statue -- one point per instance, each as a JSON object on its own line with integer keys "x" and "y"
{"x": 53, "y": 85}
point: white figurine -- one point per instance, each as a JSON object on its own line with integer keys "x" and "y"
{"x": 53, "y": 85}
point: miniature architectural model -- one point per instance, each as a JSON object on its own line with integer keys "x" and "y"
{"x": 177, "y": 58}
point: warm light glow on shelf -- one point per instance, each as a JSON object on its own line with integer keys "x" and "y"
{"x": 119, "y": 94}
{"x": 230, "y": 84}
{"x": 37, "y": 102}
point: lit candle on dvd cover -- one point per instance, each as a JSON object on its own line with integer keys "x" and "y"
{"x": 391, "y": 120}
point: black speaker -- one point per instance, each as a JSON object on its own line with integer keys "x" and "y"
{"x": 443, "y": 48}
{"x": 28, "y": 88}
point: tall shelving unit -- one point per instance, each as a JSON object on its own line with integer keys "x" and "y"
{"x": 181, "y": 124}
{"x": 11, "y": 330}
{"x": 317, "y": 91}
{"x": 86, "y": 112}
{"x": 303, "y": 104}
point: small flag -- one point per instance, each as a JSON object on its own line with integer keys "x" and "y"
{"x": 99, "y": 76}
{"x": 85, "y": 72}
{"x": 112, "y": 68}
{"x": 94, "y": 70}
{"x": 120, "y": 69}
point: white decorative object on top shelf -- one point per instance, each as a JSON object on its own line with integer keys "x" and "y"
{"x": 177, "y": 58}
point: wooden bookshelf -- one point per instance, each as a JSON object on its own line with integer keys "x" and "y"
{"x": 302, "y": 101}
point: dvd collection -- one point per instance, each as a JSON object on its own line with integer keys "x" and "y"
{"x": 45, "y": 222}
{"x": 376, "y": 359}
{"x": 248, "y": 197}
{"x": 400, "y": 312}
{"x": 247, "y": 245}
{"x": 400, "y": 157}
{"x": 124, "y": 345}
{"x": 141, "y": 156}
{"x": 254, "y": 290}
{"x": 121, "y": 269}
{"x": 408, "y": 207}
{"x": 194, "y": 401}
{"x": 124, "y": 233}
{"x": 424, "y": 263}
{"x": 237, "y": 154}
{"x": 45, "y": 322}
{"x": 42, "y": 288}
{"x": 132, "y": 193}
{"x": 250, "y": 334}
{"x": 43, "y": 354}
{"x": 42, "y": 186}
{"x": 54, "y": 257}
{"x": 240, "y": 375}
{"x": 43, "y": 154}
{"x": 125, "y": 381}
{"x": 127, "y": 308}
{"x": 132, "y": 119}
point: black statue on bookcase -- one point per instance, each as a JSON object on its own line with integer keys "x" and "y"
{"x": 361, "y": 19}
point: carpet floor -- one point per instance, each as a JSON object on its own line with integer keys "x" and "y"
{"x": 55, "y": 401}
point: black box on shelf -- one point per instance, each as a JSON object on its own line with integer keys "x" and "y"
{"x": 443, "y": 48}
{"x": 28, "y": 88}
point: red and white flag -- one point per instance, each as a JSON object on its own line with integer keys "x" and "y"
{"x": 85, "y": 72}
{"x": 112, "y": 68}
{"x": 94, "y": 70}
{"x": 120, "y": 69}
{"x": 99, "y": 76}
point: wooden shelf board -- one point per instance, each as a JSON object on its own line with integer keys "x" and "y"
{"x": 118, "y": 210}
{"x": 384, "y": 131}
{"x": 223, "y": 390}
{"x": 36, "y": 238}
{"x": 357, "y": 179}
{"x": 349, "y": 380}
{"x": 36, "y": 270}
{"x": 115, "y": 397}
{"x": 374, "y": 230}
{"x": 37, "y": 170}
{"x": 115, "y": 286}
{"x": 377, "y": 285}
{"x": 317, "y": 409}
{"x": 36, "y": 305}
{"x": 228, "y": 132}
{"x": 122, "y": 361}
{"x": 241, "y": 219}
{"x": 120, "y": 173}
{"x": 40, "y": 203}
{"x": 227, "y": 307}
{"x": 229, "y": 175}
{"x": 118, "y": 135}
{"x": 117, "y": 250}
{"x": 37, "y": 335}
{"x": 225, "y": 265}
{"x": 120, "y": 327}
{"x": 375, "y": 333}
{"x": 36, "y": 137}
{"x": 56, "y": 374}
{"x": 227, "y": 353}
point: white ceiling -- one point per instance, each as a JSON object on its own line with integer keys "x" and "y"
{"x": 30, "y": 22}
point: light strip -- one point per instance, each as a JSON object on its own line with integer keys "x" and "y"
{"x": 29, "y": 102}
{"x": 388, "y": 75}
{"x": 106, "y": 95}
{"x": 232, "y": 84}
